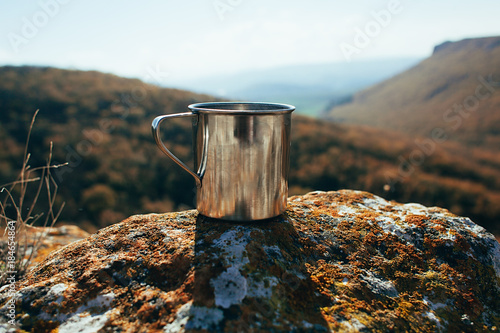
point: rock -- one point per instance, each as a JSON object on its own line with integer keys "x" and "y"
{"x": 35, "y": 243}
{"x": 335, "y": 261}
{"x": 49, "y": 239}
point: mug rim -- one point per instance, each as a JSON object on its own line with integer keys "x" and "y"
{"x": 241, "y": 108}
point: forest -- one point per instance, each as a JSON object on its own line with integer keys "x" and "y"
{"x": 100, "y": 125}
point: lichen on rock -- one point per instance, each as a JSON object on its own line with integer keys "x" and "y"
{"x": 335, "y": 261}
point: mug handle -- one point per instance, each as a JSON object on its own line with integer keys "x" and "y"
{"x": 156, "y": 134}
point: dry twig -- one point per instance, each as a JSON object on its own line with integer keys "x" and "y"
{"x": 14, "y": 196}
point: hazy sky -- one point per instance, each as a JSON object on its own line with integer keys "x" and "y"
{"x": 182, "y": 39}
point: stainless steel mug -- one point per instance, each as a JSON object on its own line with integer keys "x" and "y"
{"x": 242, "y": 157}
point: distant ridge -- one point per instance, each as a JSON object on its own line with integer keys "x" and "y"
{"x": 312, "y": 88}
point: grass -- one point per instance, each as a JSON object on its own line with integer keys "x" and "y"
{"x": 19, "y": 212}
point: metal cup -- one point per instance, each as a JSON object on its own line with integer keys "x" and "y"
{"x": 242, "y": 157}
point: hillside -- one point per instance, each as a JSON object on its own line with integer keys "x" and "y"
{"x": 101, "y": 125}
{"x": 449, "y": 90}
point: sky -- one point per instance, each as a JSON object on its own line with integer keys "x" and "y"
{"x": 169, "y": 41}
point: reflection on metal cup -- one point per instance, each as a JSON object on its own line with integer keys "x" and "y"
{"x": 242, "y": 154}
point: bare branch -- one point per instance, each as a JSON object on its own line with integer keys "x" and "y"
{"x": 19, "y": 188}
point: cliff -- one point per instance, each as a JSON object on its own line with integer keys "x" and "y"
{"x": 486, "y": 43}
{"x": 335, "y": 261}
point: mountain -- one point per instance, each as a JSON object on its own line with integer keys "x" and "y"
{"x": 312, "y": 88}
{"x": 100, "y": 124}
{"x": 456, "y": 90}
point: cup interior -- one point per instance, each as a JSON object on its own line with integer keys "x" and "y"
{"x": 241, "y": 107}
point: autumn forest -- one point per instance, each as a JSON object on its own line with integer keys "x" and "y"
{"x": 100, "y": 125}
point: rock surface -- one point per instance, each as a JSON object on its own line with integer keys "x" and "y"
{"x": 49, "y": 239}
{"x": 335, "y": 261}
